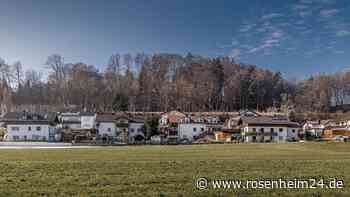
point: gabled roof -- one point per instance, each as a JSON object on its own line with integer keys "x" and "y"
{"x": 176, "y": 113}
{"x": 137, "y": 119}
{"x": 247, "y": 113}
{"x": 175, "y": 116}
{"x": 105, "y": 118}
{"x": 314, "y": 124}
{"x": 27, "y": 116}
{"x": 87, "y": 114}
{"x": 51, "y": 116}
{"x": 22, "y": 118}
{"x": 27, "y": 122}
{"x": 266, "y": 120}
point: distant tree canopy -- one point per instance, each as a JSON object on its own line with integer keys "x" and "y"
{"x": 164, "y": 82}
{"x": 120, "y": 103}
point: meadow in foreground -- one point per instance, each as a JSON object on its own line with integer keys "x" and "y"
{"x": 170, "y": 170}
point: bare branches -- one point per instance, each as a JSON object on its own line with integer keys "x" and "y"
{"x": 164, "y": 82}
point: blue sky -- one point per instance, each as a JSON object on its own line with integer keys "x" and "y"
{"x": 296, "y": 37}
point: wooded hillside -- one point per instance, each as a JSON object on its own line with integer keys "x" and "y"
{"x": 163, "y": 82}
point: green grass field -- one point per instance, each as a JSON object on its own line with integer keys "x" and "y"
{"x": 170, "y": 170}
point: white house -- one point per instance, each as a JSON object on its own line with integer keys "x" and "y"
{"x": 28, "y": 130}
{"x": 106, "y": 125}
{"x": 136, "y": 130}
{"x": 315, "y": 128}
{"x": 268, "y": 129}
{"x": 212, "y": 119}
{"x": 122, "y": 128}
{"x": 345, "y": 123}
{"x": 29, "y": 127}
{"x": 87, "y": 120}
{"x": 69, "y": 120}
{"x": 163, "y": 120}
{"x": 172, "y": 117}
{"x": 189, "y": 131}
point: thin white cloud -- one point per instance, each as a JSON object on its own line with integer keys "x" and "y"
{"x": 266, "y": 45}
{"x": 271, "y": 16}
{"x": 272, "y": 41}
{"x": 255, "y": 49}
{"x": 326, "y": 13}
{"x": 277, "y": 34}
{"x": 306, "y": 21}
{"x": 247, "y": 27}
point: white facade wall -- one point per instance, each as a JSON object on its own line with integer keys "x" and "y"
{"x": 70, "y": 120}
{"x": 88, "y": 122}
{"x": 293, "y": 134}
{"x": 70, "y": 117}
{"x": 36, "y": 132}
{"x": 74, "y": 126}
{"x": 316, "y": 132}
{"x": 107, "y": 129}
{"x": 281, "y": 133}
{"x": 135, "y": 129}
{"x": 190, "y": 130}
{"x": 70, "y": 125}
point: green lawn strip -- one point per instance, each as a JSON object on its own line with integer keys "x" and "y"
{"x": 170, "y": 170}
